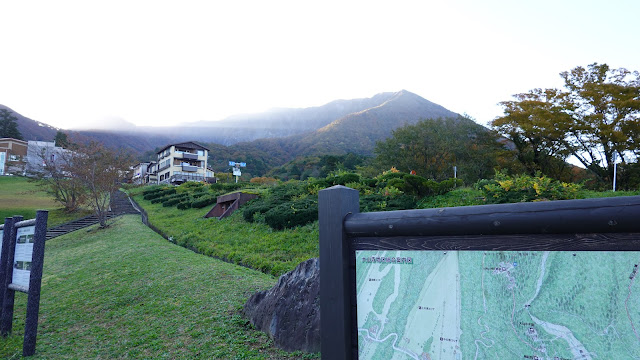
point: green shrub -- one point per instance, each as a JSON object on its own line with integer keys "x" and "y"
{"x": 153, "y": 189}
{"x": 292, "y": 214}
{"x": 520, "y": 188}
{"x": 226, "y": 187}
{"x": 204, "y": 201}
{"x": 184, "y": 204}
{"x": 168, "y": 197}
{"x": 160, "y": 193}
{"x": 256, "y": 206}
{"x": 171, "y": 202}
{"x": 448, "y": 185}
{"x": 287, "y": 191}
{"x": 192, "y": 185}
{"x": 343, "y": 178}
{"x": 379, "y": 202}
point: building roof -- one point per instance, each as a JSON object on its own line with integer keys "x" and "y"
{"x": 22, "y": 142}
{"x": 188, "y": 145}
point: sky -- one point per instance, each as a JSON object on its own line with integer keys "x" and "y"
{"x": 79, "y": 64}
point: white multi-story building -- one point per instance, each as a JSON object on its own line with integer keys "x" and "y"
{"x": 178, "y": 163}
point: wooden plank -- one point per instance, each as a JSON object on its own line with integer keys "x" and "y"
{"x": 523, "y": 242}
{"x": 606, "y": 215}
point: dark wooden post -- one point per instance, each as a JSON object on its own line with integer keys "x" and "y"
{"x": 6, "y": 323}
{"x": 6, "y": 234}
{"x": 35, "y": 280}
{"x": 334, "y": 204}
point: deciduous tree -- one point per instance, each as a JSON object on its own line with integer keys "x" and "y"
{"x": 56, "y": 174}
{"x": 433, "y": 147}
{"x": 596, "y": 118}
{"x": 100, "y": 170}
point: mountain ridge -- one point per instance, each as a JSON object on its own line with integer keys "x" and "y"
{"x": 338, "y": 127}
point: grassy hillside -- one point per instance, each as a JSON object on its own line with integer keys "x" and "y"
{"x": 251, "y": 244}
{"x": 19, "y": 196}
{"x": 125, "y": 292}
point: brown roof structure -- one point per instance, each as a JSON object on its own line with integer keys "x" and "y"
{"x": 187, "y": 145}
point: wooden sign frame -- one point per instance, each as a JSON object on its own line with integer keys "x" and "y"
{"x": 604, "y": 224}
{"x": 8, "y": 287}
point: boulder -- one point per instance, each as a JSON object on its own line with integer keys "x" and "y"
{"x": 290, "y": 311}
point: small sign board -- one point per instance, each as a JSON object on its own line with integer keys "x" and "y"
{"x": 237, "y": 172}
{"x": 23, "y": 256}
{"x": 22, "y": 261}
{"x": 237, "y": 164}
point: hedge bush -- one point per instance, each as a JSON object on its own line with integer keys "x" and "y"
{"x": 168, "y": 197}
{"x": 161, "y": 193}
{"x": 171, "y": 202}
{"x": 291, "y": 214}
{"x": 520, "y": 188}
{"x": 256, "y": 206}
{"x": 204, "y": 201}
{"x": 185, "y": 204}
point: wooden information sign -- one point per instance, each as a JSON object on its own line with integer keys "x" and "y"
{"x": 546, "y": 280}
{"x": 21, "y": 262}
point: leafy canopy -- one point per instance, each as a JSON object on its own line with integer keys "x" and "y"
{"x": 431, "y": 148}
{"x": 596, "y": 119}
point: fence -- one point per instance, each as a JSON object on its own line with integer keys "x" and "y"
{"x": 413, "y": 243}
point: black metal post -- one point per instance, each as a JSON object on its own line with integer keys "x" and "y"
{"x": 334, "y": 204}
{"x": 6, "y": 233}
{"x": 35, "y": 280}
{"x": 6, "y": 322}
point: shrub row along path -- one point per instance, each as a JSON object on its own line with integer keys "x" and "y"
{"x": 120, "y": 204}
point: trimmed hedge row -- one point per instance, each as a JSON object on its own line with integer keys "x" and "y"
{"x": 204, "y": 201}
{"x": 167, "y": 197}
{"x": 161, "y": 192}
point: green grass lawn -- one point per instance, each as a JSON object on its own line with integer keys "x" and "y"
{"x": 19, "y": 196}
{"x": 125, "y": 292}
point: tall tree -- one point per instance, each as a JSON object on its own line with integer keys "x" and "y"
{"x": 9, "y": 125}
{"x": 100, "y": 170}
{"x": 433, "y": 147}
{"x": 595, "y": 119}
{"x": 56, "y": 175}
{"x": 62, "y": 140}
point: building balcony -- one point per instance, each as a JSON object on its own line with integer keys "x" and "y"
{"x": 182, "y": 178}
{"x": 189, "y": 168}
{"x": 188, "y": 156}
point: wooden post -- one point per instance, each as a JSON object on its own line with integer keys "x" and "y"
{"x": 336, "y": 314}
{"x": 6, "y": 234}
{"x": 6, "y": 323}
{"x": 35, "y": 280}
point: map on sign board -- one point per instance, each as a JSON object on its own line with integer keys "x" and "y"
{"x": 23, "y": 256}
{"x": 429, "y": 305}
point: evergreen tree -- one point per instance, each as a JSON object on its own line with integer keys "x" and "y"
{"x": 9, "y": 125}
{"x": 62, "y": 140}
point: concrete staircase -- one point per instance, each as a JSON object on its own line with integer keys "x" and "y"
{"x": 120, "y": 205}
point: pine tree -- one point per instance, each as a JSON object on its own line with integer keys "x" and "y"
{"x": 8, "y": 125}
